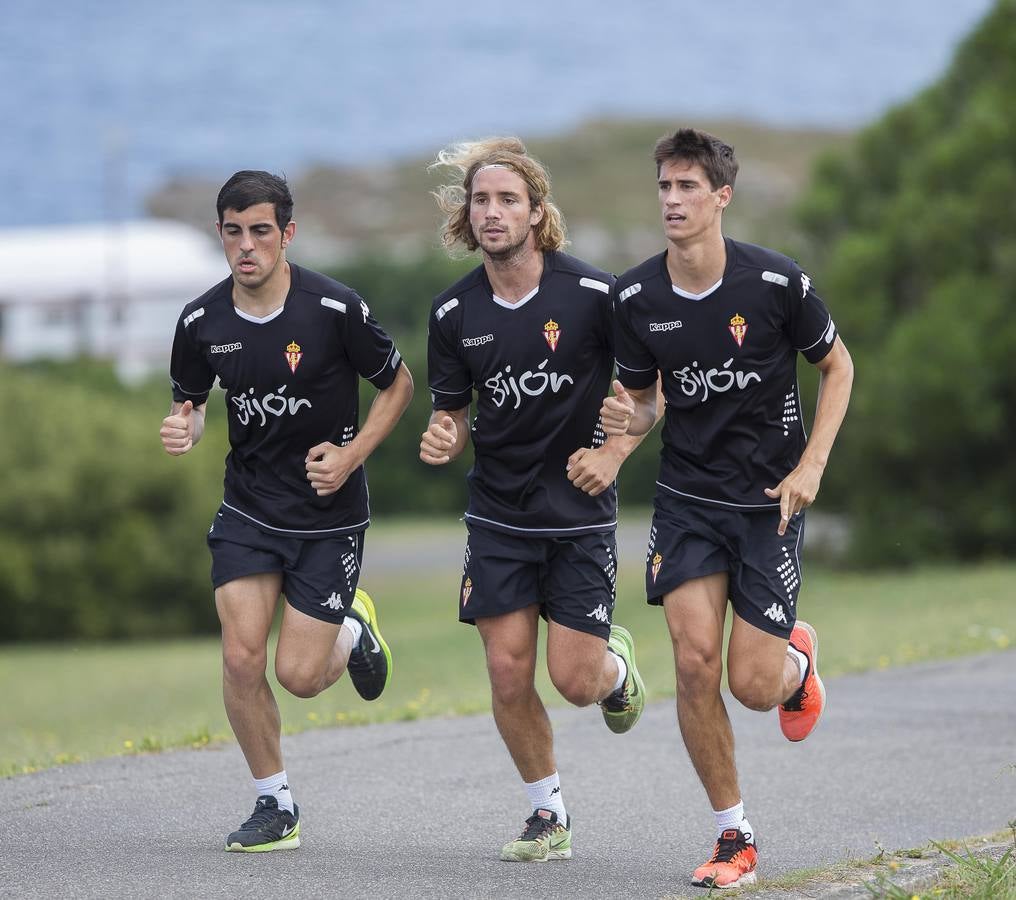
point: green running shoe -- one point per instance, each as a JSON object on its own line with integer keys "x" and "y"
{"x": 621, "y": 709}
{"x": 268, "y": 828}
{"x": 543, "y": 838}
{"x": 370, "y": 662}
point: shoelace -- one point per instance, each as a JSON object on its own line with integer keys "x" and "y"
{"x": 536, "y": 825}
{"x": 618, "y": 701}
{"x": 262, "y": 815}
{"x": 360, "y": 657}
{"x": 727, "y": 849}
{"x": 796, "y": 703}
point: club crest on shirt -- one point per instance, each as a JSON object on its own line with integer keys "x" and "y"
{"x": 293, "y": 356}
{"x": 738, "y": 328}
{"x": 657, "y": 562}
{"x": 552, "y": 333}
{"x": 467, "y": 589}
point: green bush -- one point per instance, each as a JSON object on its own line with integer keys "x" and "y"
{"x": 916, "y": 246}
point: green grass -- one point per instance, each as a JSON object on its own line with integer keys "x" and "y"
{"x": 71, "y": 702}
{"x": 972, "y": 870}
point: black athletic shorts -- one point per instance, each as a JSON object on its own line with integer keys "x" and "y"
{"x": 319, "y": 576}
{"x": 689, "y": 540}
{"x": 572, "y": 578}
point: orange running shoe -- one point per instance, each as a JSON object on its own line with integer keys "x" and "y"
{"x": 732, "y": 864}
{"x": 800, "y": 714}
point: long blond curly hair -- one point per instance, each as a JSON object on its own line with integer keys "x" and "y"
{"x": 467, "y": 158}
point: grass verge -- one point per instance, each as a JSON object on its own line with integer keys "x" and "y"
{"x": 82, "y": 701}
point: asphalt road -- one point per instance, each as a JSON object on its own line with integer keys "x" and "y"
{"x": 420, "y": 809}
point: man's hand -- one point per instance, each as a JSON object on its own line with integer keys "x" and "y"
{"x": 328, "y": 467}
{"x": 178, "y": 430}
{"x": 617, "y": 411}
{"x": 437, "y": 442}
{"x": 796, "y": 492}
{"x": 593, "y": 471}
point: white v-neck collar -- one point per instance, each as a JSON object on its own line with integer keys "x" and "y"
{"x": 259, "y": 320}
{"x": 690, "y": 296}
{"x": 521, "y": 302}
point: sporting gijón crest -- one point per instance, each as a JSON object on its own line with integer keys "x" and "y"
{"x": 293, "y": 356}
{"x": 552, "y": 333}
{"x": 738, "y": 328}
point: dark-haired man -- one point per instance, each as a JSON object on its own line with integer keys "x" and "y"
{"x": 723, "y": 323}
{"x": 288, "y": 346}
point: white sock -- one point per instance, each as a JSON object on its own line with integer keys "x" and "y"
{"x": 276, "y": 786}
{"x": 733, "y": 818}
{"x": 729, "y": 818}
{"x": 802, "y": 660}
{"x": 546, "y": 794}
{"x": 355, "y": 627}
{"x": 622, "y": 671}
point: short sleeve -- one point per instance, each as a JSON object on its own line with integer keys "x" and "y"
{"x": 369, "y": 348}
{"x": 636, "y": 365}
{"x": 451, "y": 384}
{"x": 809, "y": 324}
{"x": 189, "y": 372}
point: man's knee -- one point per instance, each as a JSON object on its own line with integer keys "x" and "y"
{"x": 511, "y": 675}
{"x": 298, "y": 678}
{"x": 577, "y": 679}
{"x": 754, "y": 689}
{"x": 243, "y": 664}
{"x": 699, "y": 670}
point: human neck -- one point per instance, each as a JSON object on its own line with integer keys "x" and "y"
{"x": 513, "y": 278}
{"x": 697, "y": 264}
{"x": 267, "y": 297}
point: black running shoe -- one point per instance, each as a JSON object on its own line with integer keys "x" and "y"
{"x": 370, "y": 662}
{"x": 268, "y": 828}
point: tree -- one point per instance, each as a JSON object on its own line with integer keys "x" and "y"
{"x": 915, "y": 240}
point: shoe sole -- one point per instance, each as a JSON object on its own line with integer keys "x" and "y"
{"x": 290, "y": 842}
{"x": 818, "y": 680}
{"x": 746, "y": 879}
{"x": 629, "y": 642}
{"x": 551, "y": 855}
{"x": 375, "y": 626}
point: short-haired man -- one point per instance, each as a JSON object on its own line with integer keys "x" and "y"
{"x": 288, "y": 346}
{"x": 530, "y": 331}
{"x": 723, "y": 323}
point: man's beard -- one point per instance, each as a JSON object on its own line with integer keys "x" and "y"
{"x": 508, "y": 253}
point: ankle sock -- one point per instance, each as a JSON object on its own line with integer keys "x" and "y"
{"x": 276, "y": 786}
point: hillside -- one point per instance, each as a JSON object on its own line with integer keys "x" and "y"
{"x": 603, "y": 181}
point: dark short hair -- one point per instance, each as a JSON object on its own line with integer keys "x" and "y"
{"x": 249, "y": 188}
{"x": 691, "y": 145}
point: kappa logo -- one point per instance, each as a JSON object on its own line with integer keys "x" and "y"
{"x": 805, "y": 285}
{"x": 225, "y": 348}
{"x": 333, "y": 602}
{"x": 600, "y": 614}
{"x": 477, "y": 341}
{"x": 738, "y": 328}
{"x": 364, "y": 310}
{"x": 552, "y": 334}
{"x": 293, "y": 356}
{"x": 665, "y": 326}
{"x": 775, "y": 612}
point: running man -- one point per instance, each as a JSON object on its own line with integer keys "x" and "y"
{"x": 530, "y": 331}
{"x": 723, "y": 323}
{"x": 288, "y": 346}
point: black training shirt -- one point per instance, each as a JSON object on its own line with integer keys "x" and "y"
{"x": 729, "y": 364}
{"x": 540, "y": 368}
{"x": 291, "y": 383}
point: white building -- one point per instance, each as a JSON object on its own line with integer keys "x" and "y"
{"x": 112, "y": 291}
